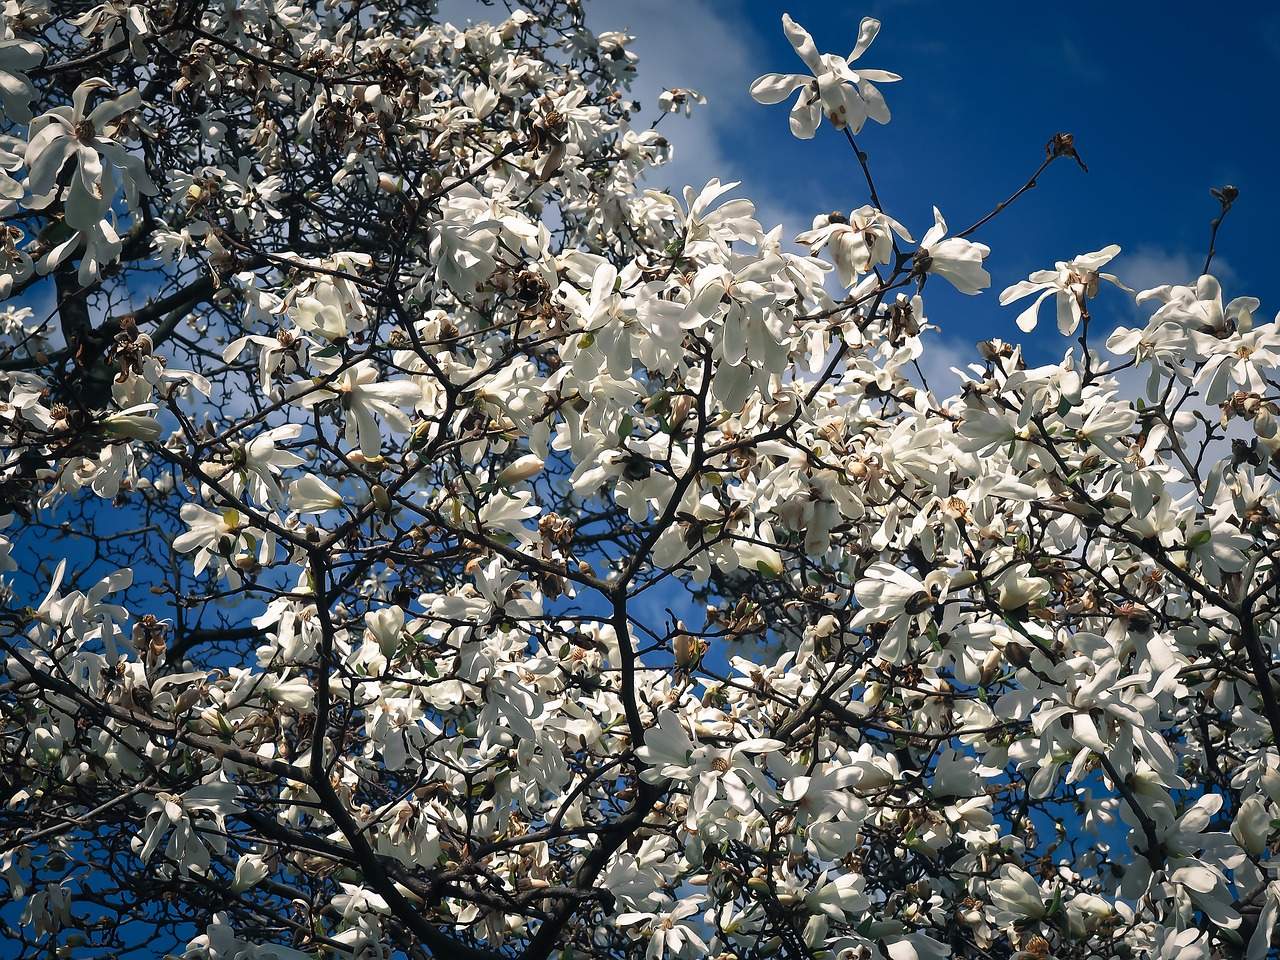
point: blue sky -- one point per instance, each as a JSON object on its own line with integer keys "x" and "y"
{"x": 1165, "y": 100}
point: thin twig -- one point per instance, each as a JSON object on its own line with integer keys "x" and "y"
{"x": 1226, "y": 196}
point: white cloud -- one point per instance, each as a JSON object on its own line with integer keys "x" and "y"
{"x": 700, "y": 45}
{"x": 1148, "y": 267}
{"x": 941, "y": 357}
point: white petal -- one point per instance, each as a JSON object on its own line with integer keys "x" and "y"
{"x": 803, "y": 44}
{"x": 867, "y": 31}
{"x": 776, "y": 87}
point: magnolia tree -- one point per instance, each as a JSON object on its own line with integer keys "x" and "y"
{"x": 469, "y": 552}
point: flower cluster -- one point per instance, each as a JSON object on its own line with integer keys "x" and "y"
{"x": 476, "y": 553}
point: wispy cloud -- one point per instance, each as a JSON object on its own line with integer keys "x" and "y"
{"x": 1079, "y": 65}
{"x": 941, "y": 358}
{"x": 1269, "y": 34}
{"x": 700, "y": 45}
{"x": 1148, "y": 267}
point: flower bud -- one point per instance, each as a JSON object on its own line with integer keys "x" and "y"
{"x": 686, "y": 649}
{"x": 522, "y": 469}
{"x": 310, "y": 494}
{"x": 250, "y": 869}
{"x": 385, "y": 627}
{"x": 680, "y": 407}
{"x": 133, "y": 426}
{"x": 1017, "y": 654}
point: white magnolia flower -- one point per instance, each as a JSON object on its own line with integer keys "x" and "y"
{"x": 758, "y": 556}
{"x": 365, "y": 400}
{"x": 112, "y": 20}
{"x": 182, "y": 814}
{"x": 324, "y": 317}
{"x": 101, "y": 242}
{"x": 847, "y": 97}
{"x": 838, "y": 896}
{"x": 677, "y": 99}
{"x": 1073, "y": 281}
{"x": 84, "y": 137}
{"x": 887, "y": 593}
{"x": 711, "y": 230}
{"x": 222, "y": 538}
{"x": 1172, "y": 944}
{"x": 220, "y": 940}
{"x": 504, "y": 515}
{"x": 668, "y": 935}
{"x": 251, "y": 869}
{"x": 1253, "y": 825}
{"x": 278, "y": 357}
{"x": 1247, "y": 361}
{"x": 329, "y": 305}
{"x": 1015, "y": 897}
{"x": 295, "y": 692}
{"x": 256, "y": 465}
{"x": 208, "y": 532}
{"x": 523, "y": 468}
{"x": 249, "y": 197}
{"x": 15, "y": 266}
{"x": 710, "y": 772}
{"x": 16, "y": 89}
{"x": 956, "y": 260}
{"x": 1086, "y": 912}
{"x": 135, "y": 423}
{"x": 856, "y": 244}
{"x": 1016, "y": 588}
{"x": 1199, "y": 310}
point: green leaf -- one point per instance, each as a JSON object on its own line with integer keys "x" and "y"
{"x": 1199, "y": 538}
{"x": 1056, "y": 905}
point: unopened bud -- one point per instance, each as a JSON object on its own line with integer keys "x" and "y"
{"x": 524, "y": 468}
{"x": 686, "y": 649}
{"x": 133, "y": 426}
{"x": 1017, "y": 654}
{"x": 680, "y": 406}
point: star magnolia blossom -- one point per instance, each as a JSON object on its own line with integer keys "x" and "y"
{"x": 457, "y": 549}
{"x": 80, "y": 137}
{"x": 957, "y": 260}
{"x": 857, "y": 244}
{"x": 1072, "y": 283}
{"x": 845, "y": 96}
